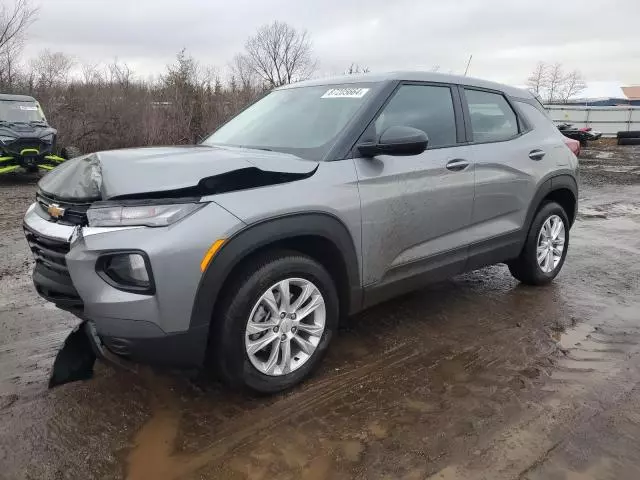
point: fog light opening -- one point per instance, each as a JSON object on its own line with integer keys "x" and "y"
{"x": 128, "y": 271}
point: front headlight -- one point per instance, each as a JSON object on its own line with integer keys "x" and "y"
{"x": 5, "y": 138}
{"x": 140, "y": 215}
{"x": 47, "y": 138}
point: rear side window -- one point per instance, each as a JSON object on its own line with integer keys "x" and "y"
{"x": 538, "y": 118}
{"x": 426, "y": 107}
{"x": 492, "y": 118}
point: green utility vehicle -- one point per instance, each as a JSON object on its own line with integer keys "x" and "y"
{"x": 27, "y": 141}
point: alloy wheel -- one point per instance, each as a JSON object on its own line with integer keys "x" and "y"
{"x": 285, "y": 326}
{"x": 551, "y": 243}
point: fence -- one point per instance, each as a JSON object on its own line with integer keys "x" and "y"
{"x": 608, "y": 120}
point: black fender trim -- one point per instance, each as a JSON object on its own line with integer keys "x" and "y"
{"x": 263, "y": 233}
{"x": 551, "y": 184}
{"x": 566, "y": 181}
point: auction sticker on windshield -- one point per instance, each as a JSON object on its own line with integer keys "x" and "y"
{"x": 27, "y": 107}
{"x": 345, "y": 93}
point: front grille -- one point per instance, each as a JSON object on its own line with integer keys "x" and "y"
{"x": 74, "y": 213}
{"x": 48, "y": 251}
{"x": 20, "y": 144}
{"x": 51, "y": 275}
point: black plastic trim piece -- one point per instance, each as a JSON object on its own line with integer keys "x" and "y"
{"x": 170, "y": 350}
{"x": 101, "y": 270}
{"x": 267, "y": 232}
{"x": 550, "y": 184}
{"x": 414, "y": 275}
{"x": 567, "y": 181}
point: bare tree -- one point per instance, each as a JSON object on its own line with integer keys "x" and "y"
{"x": 279, "y": 54}
{"x": 120, "y": 73}
{"x": 9, "y": 68}
{"x": 552, "y": 84}
{"x": 243, "y": 71}
{"x": 91, "y": 75}
{"x": 573, "y": 84}
{"x": 537, "y": 81}
{"x": 51, "y": 68}
{"x": 14, "y": 21}
{"x": 355, "y": 69}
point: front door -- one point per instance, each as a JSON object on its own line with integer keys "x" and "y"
{"x": 416, "y": 209}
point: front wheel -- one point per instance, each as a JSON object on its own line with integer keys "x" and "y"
{"x": 545, "y": 248}
{"x": 276, "y": 323}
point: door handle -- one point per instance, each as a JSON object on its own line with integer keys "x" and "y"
{"x": 536, "y": 154}
{"x": 457, "y": 165}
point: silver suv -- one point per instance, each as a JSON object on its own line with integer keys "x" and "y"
{"x": 321, "y": 199}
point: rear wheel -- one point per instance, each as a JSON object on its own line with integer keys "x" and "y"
{"x": 546, "y": 247}
{"x": 276, "y": 323}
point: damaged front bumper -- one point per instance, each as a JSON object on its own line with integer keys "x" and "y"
{"x": 152, "y": 328}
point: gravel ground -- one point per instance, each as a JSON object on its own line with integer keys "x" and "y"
{"x": 476, "y": 377}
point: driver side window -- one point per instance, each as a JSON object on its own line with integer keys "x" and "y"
{"x": 426, "y": 107}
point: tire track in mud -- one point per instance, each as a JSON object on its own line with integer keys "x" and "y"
{"x": 240, "y": 432}
{"x": 405, "y": 364}
{"x": 596, "y": 366}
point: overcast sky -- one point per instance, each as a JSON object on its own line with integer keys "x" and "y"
{"x": 506, "y": 37}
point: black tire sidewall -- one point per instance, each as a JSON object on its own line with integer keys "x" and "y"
{"x": 546, "y": 211}
{"x": 235, "y": 364}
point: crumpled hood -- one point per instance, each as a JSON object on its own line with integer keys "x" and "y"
{"x": 153, "y": 170}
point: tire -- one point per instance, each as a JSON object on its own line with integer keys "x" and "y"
{"x": 583, "y": 142}
{"x": 526, "y": 267}
{"x": 630, "y": 134}
{"x": 230, "y": 338}
{"x": 628, "y": 141}
{"x": 70, "y": 152}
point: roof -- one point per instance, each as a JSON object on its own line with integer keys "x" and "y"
{"x": 16, "y": 98}
{"x": 417, "y": 76}
{"x": 632, "y": 93}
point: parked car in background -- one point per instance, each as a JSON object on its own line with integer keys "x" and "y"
{"x": 323, "y": 198}
{"x": 582, "y": 135}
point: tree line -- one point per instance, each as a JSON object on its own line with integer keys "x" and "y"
{"x": 108, "y": 106}
{"x": 553, "y": 84}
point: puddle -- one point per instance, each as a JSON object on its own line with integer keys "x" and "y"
{"x": 572, "y": 337}
{"x": 603, "y": 154}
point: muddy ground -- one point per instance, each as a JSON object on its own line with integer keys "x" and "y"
{"x": 477, "y": 377}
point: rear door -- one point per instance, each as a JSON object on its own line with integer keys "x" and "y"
{"x": 416, "y": 208}
{"x": 510, "y": 159}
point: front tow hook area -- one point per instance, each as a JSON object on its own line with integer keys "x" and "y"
{"x": 75, "y": 359}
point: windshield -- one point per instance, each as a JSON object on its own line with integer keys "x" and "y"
{"x": 304, "y": 121}
{"x": 13, "y": 112}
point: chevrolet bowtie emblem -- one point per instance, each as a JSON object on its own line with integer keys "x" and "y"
{"x": 55, "y": 211}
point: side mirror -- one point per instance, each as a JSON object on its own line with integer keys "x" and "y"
{"x": 396, "y": 140}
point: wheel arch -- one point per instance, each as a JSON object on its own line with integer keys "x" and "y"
{"x": 319, "y": 235}
{"x": 562, "y": 189}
